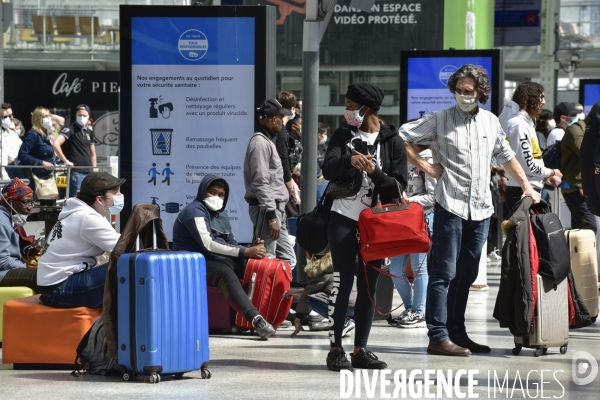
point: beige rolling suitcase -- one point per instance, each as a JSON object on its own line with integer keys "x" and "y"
{"x": 584, "y": 264}
{"x": 550, "y": 326}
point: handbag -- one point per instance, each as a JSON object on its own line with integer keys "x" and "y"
{"x": 347, "y": 186}
{"x": 311, "y": 230}
{"x": 390, "y": 230}
{"x": 45, "y": 188}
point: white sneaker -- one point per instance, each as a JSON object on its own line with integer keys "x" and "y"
{"x": 348, "y": 327}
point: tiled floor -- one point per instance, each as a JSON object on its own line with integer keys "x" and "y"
{"x": 283, "y": 367}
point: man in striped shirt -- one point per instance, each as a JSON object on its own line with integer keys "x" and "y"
{"x": 463, "y": 140}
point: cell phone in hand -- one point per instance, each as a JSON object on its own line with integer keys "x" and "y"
{"x": 361, "y": 147}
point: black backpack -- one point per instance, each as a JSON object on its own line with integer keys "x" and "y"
{"x": 92, "y": 353}
{"x": 589, "y": 161}
{"x": 552, "y": 156}
{"x": 553, "y": 249}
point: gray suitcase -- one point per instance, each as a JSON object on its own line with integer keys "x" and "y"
{"x": 550, "y": 326}
{"x": 584, "y": 264}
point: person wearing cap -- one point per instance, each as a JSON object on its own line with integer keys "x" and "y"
{"x": 565, "y": 115}
{"x": 572, "y": 188}
{"x": 384, "y": 173}
{"x": 464, "y": 139}
{"x": 75, "y": 146}
{"x": 517, "y": 121}
{"x": 16, "y": 202}
{"x": 68, "y": 271}
{"x": 266, "y": 192}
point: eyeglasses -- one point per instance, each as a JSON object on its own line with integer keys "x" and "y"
{"x": 28, "y": 203}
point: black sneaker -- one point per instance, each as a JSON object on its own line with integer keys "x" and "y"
{"x": 367, "y": 360}
{"x": 337, "y": 360}
{"x": 262, "y": 327}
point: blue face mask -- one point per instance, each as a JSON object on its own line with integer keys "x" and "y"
{"x": 574, "y": 120}
{"x": 119, "y": 203}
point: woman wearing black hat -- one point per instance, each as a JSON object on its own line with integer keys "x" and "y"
{"x": 384, "y": 172}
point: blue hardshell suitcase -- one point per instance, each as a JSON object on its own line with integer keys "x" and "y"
{"x": 163, "y": 314}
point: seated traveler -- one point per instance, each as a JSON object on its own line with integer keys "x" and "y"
{"x": 16, "y": 202}
{"x": 203, "y": 226}
{"x": 68, "y": 274}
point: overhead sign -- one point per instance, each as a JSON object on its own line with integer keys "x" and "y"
{"x": 355, "y": 37}
{"x": 192, "y": 86}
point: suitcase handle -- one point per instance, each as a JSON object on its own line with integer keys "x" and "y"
{"x": 154, "y": 245}
{"x": 251, "y": 286}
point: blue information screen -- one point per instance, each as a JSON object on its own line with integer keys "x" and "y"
{"x": 427, "y": 82}
{"x": 591, "y": 95}
{"x": 192, "y": 111}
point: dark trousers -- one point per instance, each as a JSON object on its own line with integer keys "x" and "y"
{"x": 581, "y": 217}
{"x": 83, "y": 289}
{"x": 225, "y": 273}
{"x": 343, "y": 243}
{"x": 455, "y": 253}
{"x": 21, "y": 277}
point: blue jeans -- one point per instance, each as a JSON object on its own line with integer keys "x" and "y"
{"x": 83, "y": 289}
{"x": 455, "y": 253}
{"x": 320, "y": 307}
{"x": 75, "y": 182}
{"x": 413, "y": 299}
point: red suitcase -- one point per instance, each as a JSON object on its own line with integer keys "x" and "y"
{"x": 267, "y": 280}
{"x": 220, "y": 314}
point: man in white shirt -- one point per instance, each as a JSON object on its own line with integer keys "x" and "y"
{"x": 516, "y": 120}
{"x": 565, "y": 115}
{"x": 464, "y": 139}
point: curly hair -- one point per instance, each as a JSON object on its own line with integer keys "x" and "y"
{"x": 528, "y": 95}
{"x": 479, "y": 74}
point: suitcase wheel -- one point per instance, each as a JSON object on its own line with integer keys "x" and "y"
{"x": 517, "y": 349}
{"x": 563, "y": 349}
{"x": 234, "y": 329}
{"x": 126, "y": 376}
{"x": 154, "y": 378}
{"x": 545, "y": 350}
{"x": 205, "y": 373}
{"x": 179, "y": 376}
{"x": 537, "y": 352}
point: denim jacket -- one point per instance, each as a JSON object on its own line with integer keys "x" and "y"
{"x": 34, "y": 150}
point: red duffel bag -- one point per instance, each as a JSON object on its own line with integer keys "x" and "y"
{"x": 392, "y": 230}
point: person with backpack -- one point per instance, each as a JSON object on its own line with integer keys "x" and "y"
{"x": 420, "y": 190}
{"x": 565, "y": 115}
{"x": 572, "y": 189}
{"x": 517, "y": 121}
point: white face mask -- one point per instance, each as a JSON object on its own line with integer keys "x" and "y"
{"x": 82, "y": 121}
{"x": 19, "y": 219}
{"x": 8, "y": 123}
{"x": 465, "y": 103}
{"x": 214, "y": 203}
{"x": 47, "y": 123}
{"x": 581, "y": 116}
{"x": 551, "y": 124}
{"x": 323, "y": 140}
